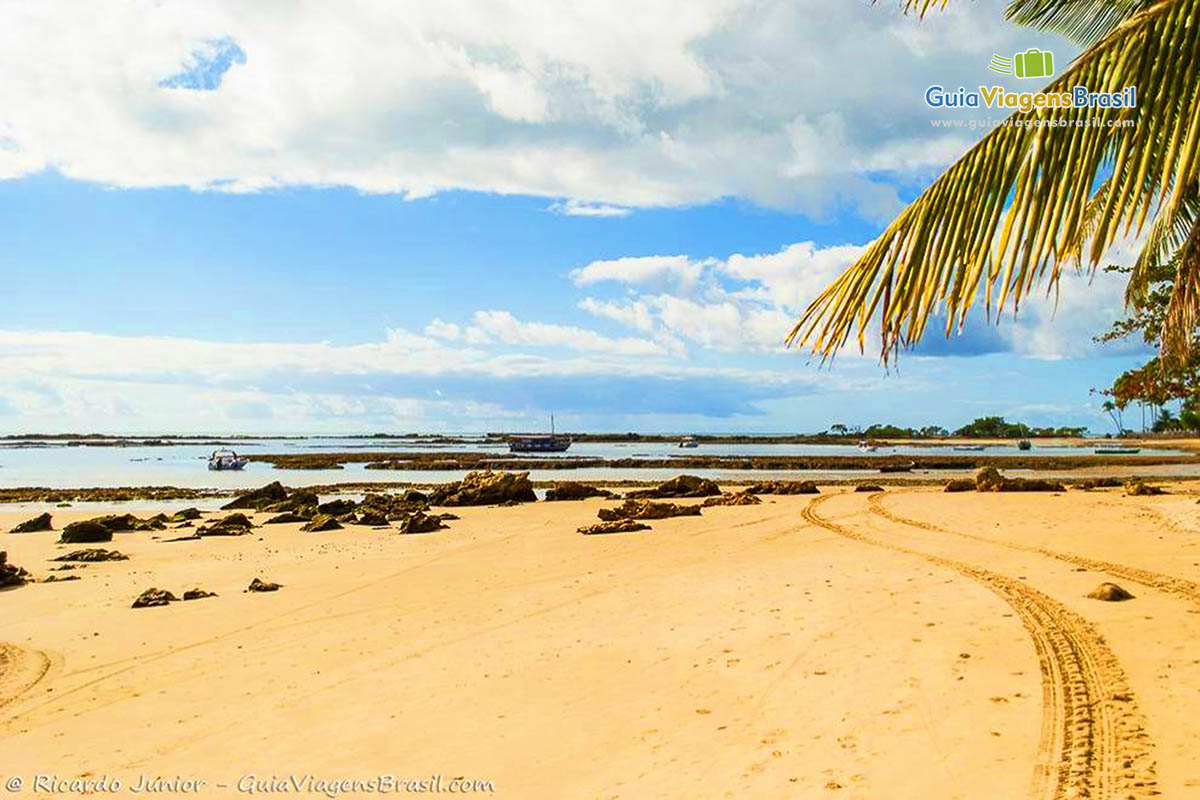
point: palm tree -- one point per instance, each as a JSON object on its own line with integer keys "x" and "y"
{"x": 1029, "y": 200}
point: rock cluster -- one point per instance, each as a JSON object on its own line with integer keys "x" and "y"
{"x": 784, "y": 487}
{"x": 644, "y": 509}
{"x": 259, "y": 585}
{"x": 321, "y": 522}
{"x": 92, "y": 554}
{"x": 420, "y": 522}
{"x": 1136, "y": 487}
{"x": 744, "y": 498}
{"x": 868, "y": 487}
{"x": 485, "y": 489}
{"x": 614, "y": 526}
{"x": 989, "y": 479}
{"x": 11, "y": 574}
{"x": 236, "y": 524}
{"x": 39, "y": 523}
{"x": 153, "y": 597}
{"x": 679, "y": 486}
{"x": 570, "y": 490}
{"x": 85, "y": 532}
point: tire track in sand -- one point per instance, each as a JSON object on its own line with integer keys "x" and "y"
{"x": 1093, "y": 741}
{"x": 20, "y": 671}
{"x": 1179, "y": 587}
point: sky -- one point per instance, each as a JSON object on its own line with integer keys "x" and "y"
{"x": 308, "y": 217}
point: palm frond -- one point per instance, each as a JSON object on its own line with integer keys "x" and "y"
{"x": 1164, "y": 241}
{"x": 1183, "y": 311}
{"x": 1082, "y": 21}
{"x": 1005, "y": 217}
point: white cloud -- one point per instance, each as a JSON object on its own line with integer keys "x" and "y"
{"x": 619, "y": 105}
{"x": 502, "y": 326}
{"x": 578, "y": 208}
{"x": 639, "y": 270}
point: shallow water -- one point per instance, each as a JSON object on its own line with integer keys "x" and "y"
{"x": 184, "y": 464}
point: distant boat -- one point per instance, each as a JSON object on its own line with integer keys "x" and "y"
{"x": 1117, "y": 451}
{"x": 689, "y": 442}
{"x": 226, "y": 459}
{"x": 867, "y": 447}
{"x": 969, "y": 448}
{"x": 1024, "y": 444}
{"x": 540, "y": 443}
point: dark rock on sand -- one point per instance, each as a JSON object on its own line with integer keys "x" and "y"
{"x": 338, "y": 507}
{"x": 371, "y": 517}
{"x": 93, "y": 554}
{"x": 1098, "y": 483}
{"x": 784, "y": 487}
{"x": 485, "y": 489}
{"x": 233, "y": 525}
{"x": 60, "y": 578}
{"x": 868, "y": 487}
{"x": 258, "y": 585}
{"x": 644, "y": 509}
{"x": 960, "y": 485}
{"x": 84, "y": 532}
{"x": 446, "y": 515}
{"x": 259, "y": 499}
{"x": 989, "y": 479}
{"x": 11, "y": 574}
{"x": 570, "y": 490}
{"x": 322, "y": 522}
{"x": 39, "y": 523}
{"x": 154, "y": 597}
{"x": 420, "y": 522}
{"x": 614, "y": 526}
{"x": 183, "y": 515}
{"x": 287, "y": 516}
{"x": 197, "y": 594}
{"x": 300, "y": 501}
{"x": 680, "y": 486}
{"x": 1136, "y": 487}
{"x": 1110, "y": 593}
{"x": 732, "y": 499}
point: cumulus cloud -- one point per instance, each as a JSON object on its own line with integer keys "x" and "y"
{"x": 605, "y": 107}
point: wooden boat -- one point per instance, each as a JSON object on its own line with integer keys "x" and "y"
{"x": 541, "y": 443}
{"x": 1117, "y": 451}
{"x": 969, "y": 448}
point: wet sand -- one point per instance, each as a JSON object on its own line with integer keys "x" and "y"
{"x": 909, "y": 644}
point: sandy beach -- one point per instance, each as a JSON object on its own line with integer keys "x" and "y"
{"x": 904, "y": 644}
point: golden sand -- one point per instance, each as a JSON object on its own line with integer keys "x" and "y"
{"x": 907, "y": 644}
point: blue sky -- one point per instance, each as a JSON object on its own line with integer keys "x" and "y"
{"x": 455, "y": 222}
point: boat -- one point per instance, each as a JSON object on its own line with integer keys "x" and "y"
{"x": 1117, "y": 451}
{"x": 1024, "y": 444}
{"x": 969, "y": 448}
{"x": 226, "y": 459}
{"x": 540, "y": 443}
{"x": 689, "y": 442}
{"x": 867, "y": 447}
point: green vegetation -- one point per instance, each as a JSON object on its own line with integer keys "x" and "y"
{"x": 980, "y": 428}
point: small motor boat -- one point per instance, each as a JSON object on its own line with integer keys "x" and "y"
{"x": 1024, "y": 444}
{"x": 1117, "y": 451}
{"x": 688, "y": 442}
{"x": 226, "y": 459}
{"x": 867, "y": 447}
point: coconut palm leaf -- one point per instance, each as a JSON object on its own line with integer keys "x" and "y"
{"x": 1005, "y": 217}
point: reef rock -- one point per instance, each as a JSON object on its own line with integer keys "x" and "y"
{"x": 259, "y": 499}
{"x": 614, "y": 526}
{"x": 11, "y": 574}
{"x": 420, "y": 522}
{"x": 258, "y": 585}
{"x": 644, "y": 509}
{"x": 232, "y": 525}
{"x": 485, "y": 489}
{"x": 570, "y": 490}
{"x": 680, "y": 486}
{"x": 154, "y": 597}
{"x": 732, "y": 499}
{"x": 784, "y": 487}
{"x": 93, "y": 554}
{"x": 39, "y": 523}
{"x": 1109, "y": 593}
{"x": 322, "y": 522}
{"x": 84, "y": 532}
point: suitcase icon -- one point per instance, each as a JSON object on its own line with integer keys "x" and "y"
{"x": 1034, "y": 63}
